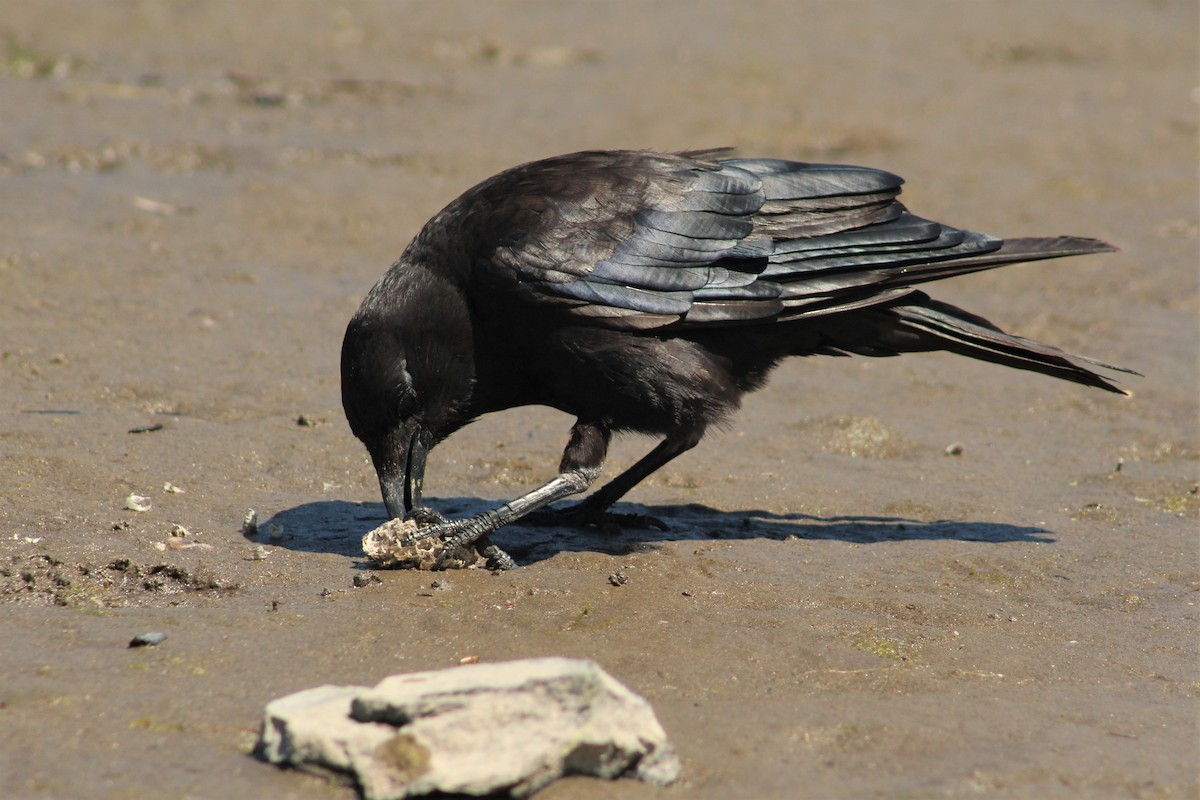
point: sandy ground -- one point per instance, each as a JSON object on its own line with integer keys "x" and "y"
{"x": 194, "y": 198}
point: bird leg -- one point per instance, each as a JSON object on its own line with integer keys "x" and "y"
{"x": 580, "y": 466}
{"x": 463, "y": 532}
{"x": 593, "y": 509}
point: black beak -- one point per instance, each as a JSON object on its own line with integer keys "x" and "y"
{"x": 402, "y": 488}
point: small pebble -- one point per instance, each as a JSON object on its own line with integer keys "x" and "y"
{"x": 171, "y": 488}
{"x": 147, "y": 639}
{"x": 618, "y": 579}
{"x": 954, "y": 449}
{"x": 179, "y": 530}
{"x": 136, "y": 502}
{"x": 364, "y": 579}
{"x": 468, "y": 660}
{"x": 274, "y": 531}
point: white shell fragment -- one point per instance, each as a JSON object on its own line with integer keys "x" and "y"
{"x": 158, "y": 207}
{"x": 250, "y": 523}
{"x": 480, "y": 729}
{"x": 136, "y": 502}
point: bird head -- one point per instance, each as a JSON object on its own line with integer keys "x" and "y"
{"x": 407, "y": 372}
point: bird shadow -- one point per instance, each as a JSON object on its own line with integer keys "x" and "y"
{"x": 337, "y": 526}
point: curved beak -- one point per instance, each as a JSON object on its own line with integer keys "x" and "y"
{"x": 402, "y": 485}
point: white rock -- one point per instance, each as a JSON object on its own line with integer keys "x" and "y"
{"x": 478, "y": 729}
{"x": 312, "y": 730}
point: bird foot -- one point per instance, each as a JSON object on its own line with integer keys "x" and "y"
{"x": 427, "y": 540}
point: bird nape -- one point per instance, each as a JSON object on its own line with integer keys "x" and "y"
{"x": 647, "y": 292}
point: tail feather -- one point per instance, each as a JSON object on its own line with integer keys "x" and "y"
{"x": 942, "y": 326}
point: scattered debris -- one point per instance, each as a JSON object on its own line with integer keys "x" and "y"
{"x": 365, "y": 579}
{"x": 137, "y": 502}
{"x": 148, "y": 639}
{"x": 478, "y": 729}
{"x": 264, "y": 92}
{"x": 171, "y": 579}
{"x": 442, "y": 585}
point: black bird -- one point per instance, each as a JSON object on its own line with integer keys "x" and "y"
{"x": 647, "y": 292}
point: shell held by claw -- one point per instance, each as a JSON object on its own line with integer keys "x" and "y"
{"x": 391, "y": 545}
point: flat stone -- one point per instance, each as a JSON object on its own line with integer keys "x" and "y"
{"x": 312, "y": 730}
{"x": 479, "y": 729}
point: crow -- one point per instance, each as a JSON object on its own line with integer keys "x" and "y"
{"x": 647, "y": 292}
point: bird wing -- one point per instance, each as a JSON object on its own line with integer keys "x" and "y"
{"x": 644, "y": 240}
